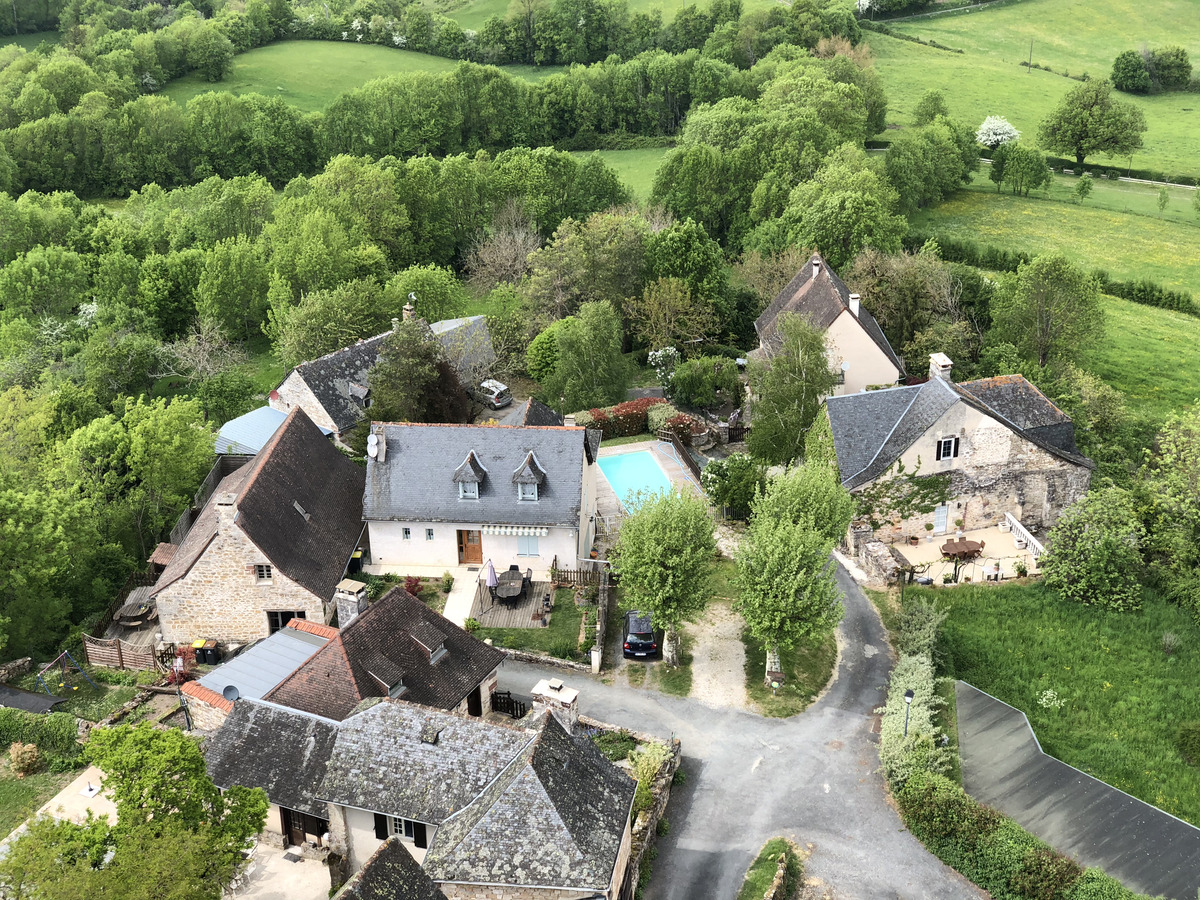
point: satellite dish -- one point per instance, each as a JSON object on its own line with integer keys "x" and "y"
{"x": 412, "y": 295}
{"x": 373, "y": 450}
{"x": 231, "y": 693}
{"x": 372, "y": 440}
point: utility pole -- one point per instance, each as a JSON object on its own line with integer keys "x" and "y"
{"x": 1029, "y": 68}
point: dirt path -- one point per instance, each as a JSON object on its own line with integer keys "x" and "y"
{"x": 719, "y": 658}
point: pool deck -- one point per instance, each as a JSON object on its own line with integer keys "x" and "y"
{"x": 607, "y": 502}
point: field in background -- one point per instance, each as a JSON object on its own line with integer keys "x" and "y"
{"x": 29, "y": 41}
{"x": 1071, "y": 35}
{"x": 473, "y": 13}
{"x": 1127, "y": 246}
{"x": 636, "y": 167}
{"x": 1151, "y": 355}
{"x": 312, "y": 74}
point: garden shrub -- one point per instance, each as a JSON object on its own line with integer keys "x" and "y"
{"x": 917, "y": 628}
{"x": 706, "y": 382}
{"x": 921, "y": 751}
{"x": 631, "y": 417}
{"x": 1095, "y": 884}
{"x": 1046, "y": 874}
{"x": 999, "y": 858}
{"x": 683, "y": 426}
{"x": 53, "y": 732}
{"x": 733, "y": 482}
{"x": 658, "y": 416}
{"x": 615, "y": 745}
{"x": 24, "y": 758}
{"x": 412, "y": 584}
{"x": 1189, "y": 742}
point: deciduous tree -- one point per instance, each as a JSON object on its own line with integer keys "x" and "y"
{"x": 1094, "y": 553}
{"x": 590, "y": 370}
{"x": 413, "y": 381}
{"x": 1050, "y": 310}
{"x": 668, "y": 313}
{"x": 1089, "y": 120}
{"x": 664, "y": 555}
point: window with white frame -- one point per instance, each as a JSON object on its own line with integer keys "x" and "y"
{"x": 406, "y": 534}
{"x": 403, "y": 828}
{"x": 527, "y": 491}
{"x": 429, "y": 534}
{"x": 947, "y": 448}
{"x": 468, "y": 491}
{"x": 262, "y": 574}
{"x": 527, "y": 545}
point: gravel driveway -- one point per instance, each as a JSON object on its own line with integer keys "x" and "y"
{"x": 811, "y": 778}
{"x": 719, "y": 658}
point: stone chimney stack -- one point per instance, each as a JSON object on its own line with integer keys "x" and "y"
{"x": 226, "y": 503}
{"x": 562, "y": 702}
{"x": 855, "y": 304}
{"x": 940, "y": 366}
{"x": 409, "y": 309}
{"x": 351, "y": 599}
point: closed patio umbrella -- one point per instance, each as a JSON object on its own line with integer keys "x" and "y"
{"x": 492, "y": 580}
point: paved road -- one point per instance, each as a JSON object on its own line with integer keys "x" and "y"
{"x": 811, "y": 778}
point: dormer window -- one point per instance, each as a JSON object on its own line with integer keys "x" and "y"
{"x": 528, "y": 477}
{"x": 468, "y": 476}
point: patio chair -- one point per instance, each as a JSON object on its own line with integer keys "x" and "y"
{"x": 514, "y": 568}
{"x": 527, "y": 581}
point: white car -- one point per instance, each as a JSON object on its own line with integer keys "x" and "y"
{"x": 492, "y": 393}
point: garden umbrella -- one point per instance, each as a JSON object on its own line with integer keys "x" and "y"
{"x": 492, "y": 580}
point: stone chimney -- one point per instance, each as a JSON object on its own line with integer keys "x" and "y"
{"x": 855, "y": 304}
{"x": 351, "y": 599}
{"x": 940, "y": 366}
{"x": 562, "y": 702}
{"x": 409, "y": 309}
{"x": 226, "y": 503}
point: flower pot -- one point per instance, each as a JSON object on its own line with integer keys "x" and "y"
{"x": 1004, "y": 526}
{"x": 1019, "y": 543}
{"x": 914, "y": 540}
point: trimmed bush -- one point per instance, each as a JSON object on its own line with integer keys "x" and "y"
{"x": 917, "y": 628}
{"x": 658, "y": 416}
{"x": 1046, "y": 874}
{"x": 24, "y": 758}
{"x": 623, "y": 420}
{"x": 920, "y": 752}
{"x": 52, "y": 732}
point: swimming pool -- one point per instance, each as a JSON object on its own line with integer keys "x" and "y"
{"x": 632, "y": 472}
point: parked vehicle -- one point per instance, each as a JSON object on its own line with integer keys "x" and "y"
{"x": 641, "y": 640}
{"x": 492, "y": 394}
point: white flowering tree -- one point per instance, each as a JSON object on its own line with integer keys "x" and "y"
{"x": 995, "y": 131}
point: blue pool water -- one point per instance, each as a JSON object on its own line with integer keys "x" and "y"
{"x": 631, "y": 472}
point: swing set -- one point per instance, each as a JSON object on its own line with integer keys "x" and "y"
{"x": 64, "y": 662}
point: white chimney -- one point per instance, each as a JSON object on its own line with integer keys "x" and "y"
{"x": 855, "y": 304}
{"x": 560, "y": 700}
{"x": 816, "y": 266}
{"x": 940, "y": 366}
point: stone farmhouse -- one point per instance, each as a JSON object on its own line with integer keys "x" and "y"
{"x": 398, "y": 647}
{"x": 450, "y": 495}
{"x": 390, "y": 873}
{"x": 333, "y": 389}
{"x": 858, "y": 351}
{"x": 1007, "y": 448}
{"x": 488, "y": 810}
{"x": 271, "y": 544}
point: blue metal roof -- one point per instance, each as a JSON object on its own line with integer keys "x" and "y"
{"x": 258, "y": 670}
{"x": 249, "y": 433}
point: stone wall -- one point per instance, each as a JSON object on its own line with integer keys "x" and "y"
{"x": 455, "y": 891}
{"x": 295, "y": 392}
{"x": 645, "y": 829}
{"x": 219, "y": 598}
{"x": 878, "y": 560}
{"x": 779, "y": 884}
{"x": 207, "y": 708}
{"x": 15, "y": 669}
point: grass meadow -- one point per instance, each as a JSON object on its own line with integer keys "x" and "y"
{"x": 312, "y": 74}
{"x": 636, "y": 168}
{"x": 1068, "y": 35}
{"x": 1128, "y": 246}
{"x": 1124, "y": 696}
{"x": 473, "y": 13}
{"x": 29, "y": 41}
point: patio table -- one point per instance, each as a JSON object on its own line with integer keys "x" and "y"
{"x": 511, "y": 585}
{"x": 961, "y": 549}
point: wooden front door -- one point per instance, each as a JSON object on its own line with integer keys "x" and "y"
{"x": 470, "y": 548}
{"x": 293, "y": 826}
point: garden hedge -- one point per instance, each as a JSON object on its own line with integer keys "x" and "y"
{"x": 623, "y": 420}
{"x": 52, "y": 732}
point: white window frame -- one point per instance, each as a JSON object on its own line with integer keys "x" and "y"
{"x": 527, "y": 492}
{"x": 429, "y": 534}
{"x": 402, "y": 828}
{"x": 406, "y": 534}
{"x": 264, "y": 573}
{"x": 947, "y": 448}
{"x": 524, "y": 545}
{"x": 468, "y": 490}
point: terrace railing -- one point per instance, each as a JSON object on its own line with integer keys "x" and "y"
{"x": 1032, "y": 544}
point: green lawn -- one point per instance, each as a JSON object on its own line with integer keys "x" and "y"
{"x": 1070, "y": 35}
{"x": 762, "y": 871}
{"x": 636, "y": 167}
{"x": 806, "y": 671}
{"x": 29, "y": 41}
{"x": 1124, "y": 696}
{"x": 1128, "y": 246}
{"x": 560, "y": 638}
{"x": 1152, "y": 355}
{"x": 312, "y": 74}
{"x": 21, "y": 797}
{"x": 472, "y": 14}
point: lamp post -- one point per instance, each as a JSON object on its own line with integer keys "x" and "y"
{"x": 908, "y": 699}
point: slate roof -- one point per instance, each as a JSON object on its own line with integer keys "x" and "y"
{"x": 532, "y": 412}
{"x": 871, "y": 430}
{"x": 249, "y": 433}
{"x": 259, "y": 668}
{"x": 330, "y": 377}
{"x": 415, "y": 483}
{"x": 298, "y": 466}
{"x": 282, "y": 751}
{"x": 820, "y": 300}
{"x": 467, "y": 343}
{"x": 555, "y": 817}
{"x": 380, "y": 762}
{"x": 392, "y": 873}
{"x": 388, "y": 642}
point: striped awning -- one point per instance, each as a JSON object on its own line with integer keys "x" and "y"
{"x": 516, "y": 530}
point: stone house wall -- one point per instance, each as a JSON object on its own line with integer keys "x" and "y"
{"x": 295, "y": 392}
{"x": 219, "y": 598}
{"x": 207, "y": 708}
{"x": 996, "y": 472}
{"x": 455, "y": 891}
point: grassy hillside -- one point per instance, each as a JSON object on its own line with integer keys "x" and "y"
{"x": 312, "y": 74}
{"x": 1152, "y": 355}
{"x": 473, "y": 13}
{"x": 1128, "y": 246}
{"x": 29, "y": 41}
{"x": 1069, "y": 35}
{"x": 636, "y": 167}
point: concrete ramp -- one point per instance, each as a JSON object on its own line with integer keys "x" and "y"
{"x": 1004, "y": 767}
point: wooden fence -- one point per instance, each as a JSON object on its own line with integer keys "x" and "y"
{"x": 738, "y": 432}
{"x": 226, "y": 464}
{"x": 135, "y": 580}
{"x": 117, "y": 654}
{"x": 596, "y": 573}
